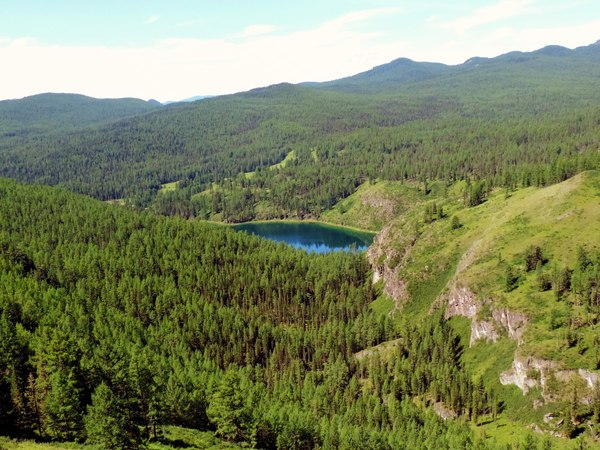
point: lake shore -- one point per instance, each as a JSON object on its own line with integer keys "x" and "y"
{"x": 316, "y": 221}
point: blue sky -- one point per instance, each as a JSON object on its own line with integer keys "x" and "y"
{"x": 180, "y": 48}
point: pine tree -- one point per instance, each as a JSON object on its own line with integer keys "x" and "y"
{"x": 455, "y": 223}
{"x": 31, "y": 396}
{"x": 63, "y": 406}
{"x": 226, "y": 409}
{"x": 8, "y": 348}
{"x": 510, "y": 279}
{"x": 106, "y": 424}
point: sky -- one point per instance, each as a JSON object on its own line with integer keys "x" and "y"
{"x": 176, "y": 49}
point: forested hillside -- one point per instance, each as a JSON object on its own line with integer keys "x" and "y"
{"x": 517, "y": 273}
{"x": 114, "y": 323}
{"x": 45, "y": 113}
{"x": 516, "y": 119}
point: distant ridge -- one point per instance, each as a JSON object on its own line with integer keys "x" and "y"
{"x": 221, "y": 138}
{"x": 404, "y": 71}
{"x": 188, "y": 100}
{"x": 50, "y": 111}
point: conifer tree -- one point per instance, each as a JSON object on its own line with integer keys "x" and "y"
{"x": 63, "y": 406}
{"x": 227, "y": 410}
{"x": 106, "y": 424}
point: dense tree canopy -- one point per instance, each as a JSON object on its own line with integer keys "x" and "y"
{"x": 114, "y": 323}
{"x": 519, "y": 119}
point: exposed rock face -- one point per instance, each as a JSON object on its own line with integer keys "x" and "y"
{"x": 376, "y": 250}
{"x": 527, "y": 373}
{"x": 591, "y": 378}
{"x": 380, "y": 348}
{"x": 513, "y": 322}
{"x": 377, "y": 274}
{"x": 385, "y": 207}
{"x": 380, "y": 258}
{"x": 530, "y": 372}
{"x": 461, "y": 302}
{"x": 395, "y": 287}
{"x": 444, "y": 412}
{"x": 483, "y": 329}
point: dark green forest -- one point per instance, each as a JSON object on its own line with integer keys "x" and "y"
{"x": 48, "y": 113}
{"x": 114, "y": 323}
{"x": 516, "y": 120}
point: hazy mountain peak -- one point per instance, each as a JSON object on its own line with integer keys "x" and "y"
{"x": 553, "y": 50}
{"x": 476, "y": 60}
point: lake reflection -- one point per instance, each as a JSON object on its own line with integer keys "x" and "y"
{"x": 310, "y": 236}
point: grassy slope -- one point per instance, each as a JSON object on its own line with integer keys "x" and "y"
{"x": 558, "y": 218}
{"x": 168, "y": 187}
{"x": 291, "y": 156}
{"x": 172, "y": 438}
{"x": 373, "y": 205}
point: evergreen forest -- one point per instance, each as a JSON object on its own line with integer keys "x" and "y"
{"x": 132, "y": 316}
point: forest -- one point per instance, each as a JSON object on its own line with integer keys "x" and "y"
{"x": 129, "y": 309}
{"x": 114, "y": 323}
{"x": 516, "y": 120}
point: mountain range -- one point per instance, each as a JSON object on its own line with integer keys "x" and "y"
{"x": 221, "y": 137}
{"x": 131, "y": 316}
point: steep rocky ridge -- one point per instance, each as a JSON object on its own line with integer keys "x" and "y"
{"x": 388, "y": 262}
{"x": 493, "y": 236}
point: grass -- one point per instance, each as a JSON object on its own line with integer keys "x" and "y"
{"x": 117, "y": 201}
{"x": 374, "y": 205}
{"x": 171, "y": 438}
{"x": 383, "y": 305}
{"x": 291, "y": 156}
{"x": 506, "y": 433}
{"x": 213, "y": 188}
{"x": 168, "y": 186}
{"x": 13, "y": 444}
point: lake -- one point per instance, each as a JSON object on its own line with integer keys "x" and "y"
{"x": 310, "y": 236}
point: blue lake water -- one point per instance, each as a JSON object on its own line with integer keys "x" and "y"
{"x": 310, "y": 236}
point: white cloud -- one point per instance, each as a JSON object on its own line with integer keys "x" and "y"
{"x": 362, "y": 15}
{"x": 181, "y": 68}
{"x": 257, "y": 30}
{"x": 505, "y": 39}
{"x": 152, "y": 19}
{"x": 488, "y": 14}
{"x": 534, "y": 38}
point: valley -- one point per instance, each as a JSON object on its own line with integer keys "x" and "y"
{"x": 133, "y": 315}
